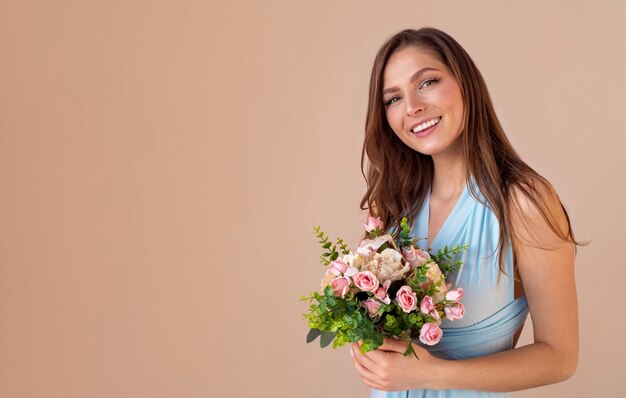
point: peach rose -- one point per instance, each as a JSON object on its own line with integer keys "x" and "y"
{"x": 328, "y": 278}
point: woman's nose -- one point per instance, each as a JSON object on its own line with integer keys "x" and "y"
{"x": 414, "y": 104}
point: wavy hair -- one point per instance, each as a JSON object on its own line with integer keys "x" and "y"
{"x": 398, "y": 177}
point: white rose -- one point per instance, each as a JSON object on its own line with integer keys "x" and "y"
{"x": 388, "y": 266}
{"x": 390, "y": 256}
{"x": 354, "y": 260}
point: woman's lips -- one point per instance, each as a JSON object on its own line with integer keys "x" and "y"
{"x": 427, "y": 131}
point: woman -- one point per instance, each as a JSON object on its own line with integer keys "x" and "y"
{"x": 438, "y": 155}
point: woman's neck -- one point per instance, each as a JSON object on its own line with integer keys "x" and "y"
{"x": 449, "y": 176}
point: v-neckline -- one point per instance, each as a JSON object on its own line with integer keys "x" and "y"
{"x": 445, "y": 222}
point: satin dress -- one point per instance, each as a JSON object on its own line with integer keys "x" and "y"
{"x": 492, "y": 314}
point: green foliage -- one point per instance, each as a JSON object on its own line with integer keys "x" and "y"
{"x": 331, "y": 254}
{"x": 343, "y": 320}
{"x": 405, "y": 234}
{"x": 343, "y": 246}
{"x": 313, "y": 334}
{"x": 445, "y": 257}
{"x": 331, "y": 250}
{"x": 327, "y": 338}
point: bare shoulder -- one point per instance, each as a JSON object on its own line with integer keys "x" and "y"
{"x": 537, "y": 214}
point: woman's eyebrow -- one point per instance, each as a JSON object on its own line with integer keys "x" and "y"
{"x": 413, "y": 78}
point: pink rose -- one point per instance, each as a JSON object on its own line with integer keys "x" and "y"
{"x": 372, "y": 306}
{"x": 406, "y": 298}
{"x": 341, "y": 286}
{"x": 366, "y": 281}
{"x": 427, "y": 305}
{"x": 338, "y": 267}
{"x": 372, "y": 224}
{"x": 430, "y": 334}
{"x": 415, "y": 258}
{"x": 381, "y": 292}
{"x": 435, "y": 314}
{"x": 455, "y": 295}
{"x": 455, "y": 312}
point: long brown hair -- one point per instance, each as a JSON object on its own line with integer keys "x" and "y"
{"x": 398, "y": 177}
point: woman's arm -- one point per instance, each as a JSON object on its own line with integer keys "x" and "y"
{"x": 548, "y": 279}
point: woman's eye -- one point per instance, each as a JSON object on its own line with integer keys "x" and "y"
{"x": 431, "y": 81}
{"x": 425, "y": 84}
{"x": 390, "y": 101}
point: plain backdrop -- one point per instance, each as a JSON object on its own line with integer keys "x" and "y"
{"x": 163, "y": 164}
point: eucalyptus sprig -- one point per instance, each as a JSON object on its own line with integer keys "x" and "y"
{"x": 343, "y": 246}
{"x": 445, "y": 256}
{"x": 405, "y": 239}
{"x": 331, "y": 252}
{"x": 405, "y": 234}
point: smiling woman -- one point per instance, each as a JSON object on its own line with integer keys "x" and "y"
{"x": 416, "y": 102}
{"x": 439, "y": 156}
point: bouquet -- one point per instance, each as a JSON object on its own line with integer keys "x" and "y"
{"x": 386, "y": 288}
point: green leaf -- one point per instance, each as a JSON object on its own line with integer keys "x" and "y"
{"x": 410, "y": 350}
{"x": 327, "y": 338}
{"x": 327, "y": 245}
{"x": 313, "y": 334}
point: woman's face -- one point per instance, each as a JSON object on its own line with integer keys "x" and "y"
{"x": 423, "y": 102}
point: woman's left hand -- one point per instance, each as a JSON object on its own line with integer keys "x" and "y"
{"x": 387, "y": 369}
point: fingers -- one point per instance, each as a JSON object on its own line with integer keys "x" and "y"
{"x": 369, "y": 377}
{"x": 366, "y": 360}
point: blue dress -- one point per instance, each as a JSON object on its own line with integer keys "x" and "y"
{"x": 492, "y": 314}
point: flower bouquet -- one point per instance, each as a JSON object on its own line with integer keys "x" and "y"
{"x": 386, "y": 288}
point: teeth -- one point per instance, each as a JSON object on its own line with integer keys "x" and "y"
{"x": 426, "y": 125}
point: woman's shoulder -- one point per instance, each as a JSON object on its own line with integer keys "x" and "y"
{"x": 535, "y": 209}
{"x": 531, "y": 191}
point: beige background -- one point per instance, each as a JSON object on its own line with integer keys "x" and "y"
{"x": 162, "y": 165}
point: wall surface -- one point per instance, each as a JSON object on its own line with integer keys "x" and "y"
{"x": 162, "y": 165}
